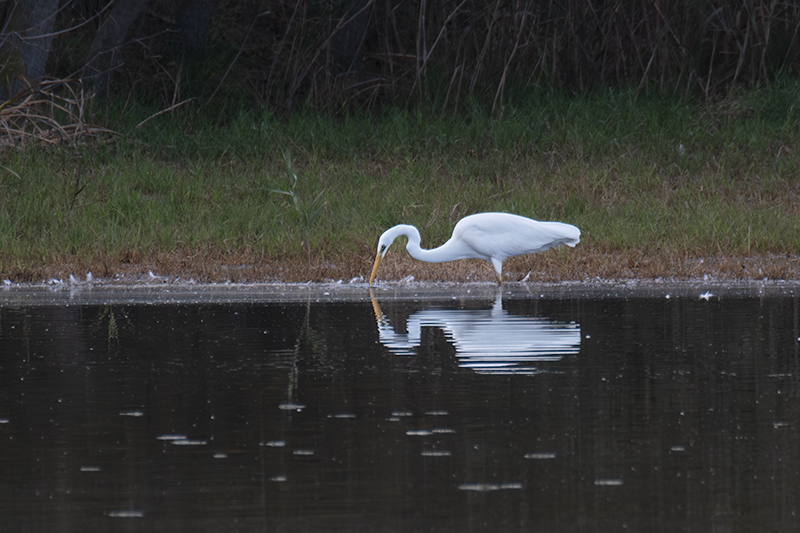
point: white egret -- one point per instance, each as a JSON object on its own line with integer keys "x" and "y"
{"x": 488, "y": 236}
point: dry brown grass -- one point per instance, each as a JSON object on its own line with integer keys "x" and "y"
{"x": 49, "y": 112}
{"x": 213, "y": 266}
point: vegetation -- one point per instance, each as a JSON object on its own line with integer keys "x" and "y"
{"x": 661, "y": 185}
{"x": 218, "y": 139}
{"x": 335, "y": 56}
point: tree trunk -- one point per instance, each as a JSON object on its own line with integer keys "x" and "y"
{"x": 24, "y": 41}
{"x": 191, "y": 27}
{"x": 104, "y": 52}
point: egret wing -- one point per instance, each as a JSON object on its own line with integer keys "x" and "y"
{"x": 502, "y": 235}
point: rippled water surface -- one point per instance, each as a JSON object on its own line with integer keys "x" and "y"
{"x": 462, "y": 409}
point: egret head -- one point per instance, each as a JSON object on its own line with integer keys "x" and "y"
{"x": 383, "y": 246}
{"x": 386, "y": 241}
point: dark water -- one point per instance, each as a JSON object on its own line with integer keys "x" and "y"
{"x": 412, "y": 412}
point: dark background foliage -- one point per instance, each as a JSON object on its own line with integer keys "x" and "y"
{"x": 335, "y": 54}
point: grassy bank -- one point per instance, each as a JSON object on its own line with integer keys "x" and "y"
{"x": 659, "y": 186}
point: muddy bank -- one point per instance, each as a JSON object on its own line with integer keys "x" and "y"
{"x": 554, "y": 266}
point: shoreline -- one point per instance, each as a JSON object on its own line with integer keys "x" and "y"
{"x": 572, "y": 266}
{"x": 169, "y": 290}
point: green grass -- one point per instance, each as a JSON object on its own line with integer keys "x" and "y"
{"x": 653, "y": 174}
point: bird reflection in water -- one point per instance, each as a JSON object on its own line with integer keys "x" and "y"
{"x": 486, "y": 340}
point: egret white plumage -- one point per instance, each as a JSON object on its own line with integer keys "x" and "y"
{"x": 492, "y": 237}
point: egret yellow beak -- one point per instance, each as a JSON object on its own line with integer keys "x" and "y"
{"x": 375, "y": 267}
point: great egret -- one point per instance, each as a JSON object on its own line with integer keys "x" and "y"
{"x": 489, "y": 236}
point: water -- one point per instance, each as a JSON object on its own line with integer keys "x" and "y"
{"x": 241, "y": 409}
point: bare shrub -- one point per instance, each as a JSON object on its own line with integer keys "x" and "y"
{"x": 50, "y": 112}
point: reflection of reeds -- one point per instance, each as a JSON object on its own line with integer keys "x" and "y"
{"x": 49, "y": 112}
